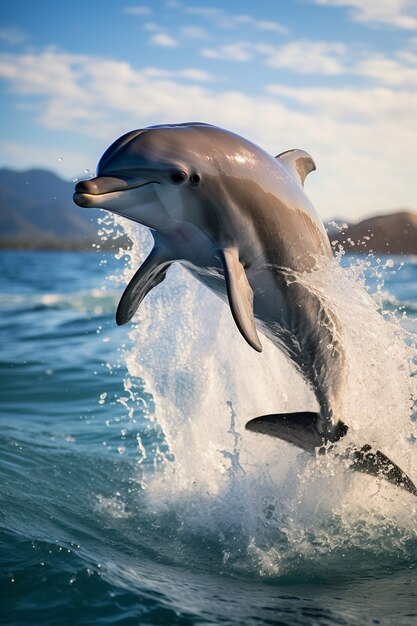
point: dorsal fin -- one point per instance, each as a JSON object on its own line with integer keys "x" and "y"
{"x": 297, "y": 162}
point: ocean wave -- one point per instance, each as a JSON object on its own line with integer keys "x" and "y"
{"x": 93, "y": 301}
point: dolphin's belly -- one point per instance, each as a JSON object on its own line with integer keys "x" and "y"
{"x": 210, "y": 277}
{"x": 294, "y": 320}
{"x": 271, "y": 306}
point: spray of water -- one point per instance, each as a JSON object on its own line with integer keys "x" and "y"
{"x": 263, "y": 505}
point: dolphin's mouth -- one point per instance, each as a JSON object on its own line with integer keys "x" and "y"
{"x": 87, "y": 192}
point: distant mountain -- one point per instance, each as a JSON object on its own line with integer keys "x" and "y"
{"x": 393, "y": 233}
{"x": 36, "y": 206}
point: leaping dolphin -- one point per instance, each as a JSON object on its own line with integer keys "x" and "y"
{"x": 238, "y": 219}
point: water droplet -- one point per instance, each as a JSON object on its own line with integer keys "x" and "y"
{"x": 75, "y": 180}
{"x": 87, "y": 171}
{"x": 60, "y": 158}
{"x": 102, "y": 398}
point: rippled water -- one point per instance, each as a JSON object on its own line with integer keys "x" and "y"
{"x": 130, "y": 491}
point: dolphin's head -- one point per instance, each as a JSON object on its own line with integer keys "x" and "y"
{"x": 149, "y": 176}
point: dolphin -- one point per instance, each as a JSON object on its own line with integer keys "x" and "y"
{"x": 239, "y": 220}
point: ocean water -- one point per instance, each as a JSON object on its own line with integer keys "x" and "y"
{"x": 130, "y": 492}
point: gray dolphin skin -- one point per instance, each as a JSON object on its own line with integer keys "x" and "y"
{"x": 238, "y": 219}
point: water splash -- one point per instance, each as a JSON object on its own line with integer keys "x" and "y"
{"x": 261, "y": 504}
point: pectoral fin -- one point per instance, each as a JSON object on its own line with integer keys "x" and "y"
{"x": 152, "y": 272}
{"x": 240, "y": 296}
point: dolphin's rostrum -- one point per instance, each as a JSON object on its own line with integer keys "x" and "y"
{"x": 240, "y": 222}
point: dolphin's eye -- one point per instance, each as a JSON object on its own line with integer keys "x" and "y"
{"x": 178, "y": 177}
{"x": 195, "y": 178}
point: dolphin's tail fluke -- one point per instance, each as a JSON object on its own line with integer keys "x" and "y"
{"x": 375, "y": 462}
{"x": 301, "y": 429}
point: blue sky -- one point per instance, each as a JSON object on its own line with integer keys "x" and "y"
{"x": 337, "y": 78}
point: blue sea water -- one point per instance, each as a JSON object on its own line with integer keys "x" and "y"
{"x": 130, "y": 492}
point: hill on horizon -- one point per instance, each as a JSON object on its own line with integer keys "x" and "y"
{"x": 392, "y": 233}
{"x": 36, "y": 205}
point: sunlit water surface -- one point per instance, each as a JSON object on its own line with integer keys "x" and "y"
{"x": 130, "y": 491}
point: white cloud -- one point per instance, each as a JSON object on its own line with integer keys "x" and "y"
{"x": 399, "y": 13}
{"x": 192, "y": 74}
{"x": 151, "y": 27}
{"x": 362, "y": 139}
{"x": 137, "y": 10}
{"x": 302, "y": 56}
{"x": 206, "y": 12}
{"x": 194, "y": 32}
{"x": 163, "y": 39}
{"x": 378, "y": 105}
{"x": 12, "y": 36}
{"x": 274, "y": 27}
{"x": 401, "y": 71}
{"x": 225, "y": 20}
{"x": 232, "y": 52}
{"x": 309, "y": 57}
{"x": 56, "y": 73}
{"x": 324, "y": 58}
{"x": 196, "y": 75}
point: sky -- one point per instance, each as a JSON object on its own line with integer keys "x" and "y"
{"x": 337, "y": 78}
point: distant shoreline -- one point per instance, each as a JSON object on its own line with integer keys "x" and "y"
{"x": 79, "y": 246}
{"x": 37, "y": 213}
{"x": 393, "y": 233}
